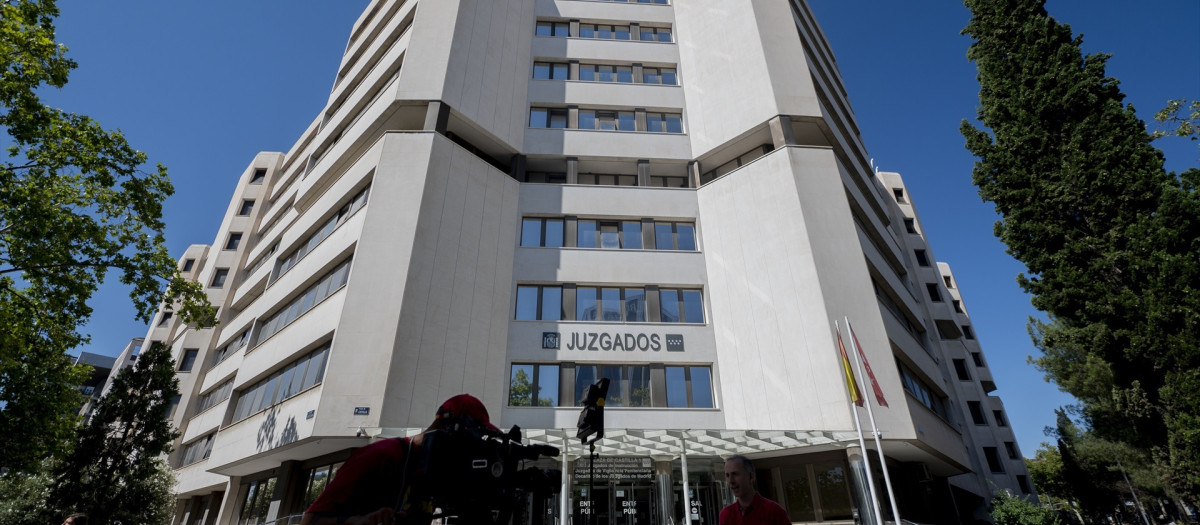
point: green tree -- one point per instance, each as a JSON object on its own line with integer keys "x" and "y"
{"x": 115, "y": 473}
{"x": 75, "y": 204}
{"x": 1008, "y": 509}
{"x": 1111, "y": 241}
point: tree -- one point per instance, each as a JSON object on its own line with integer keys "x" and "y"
{"x": 1008, "y": 509}
{"x": 115, "y": 473}
{"x": 1110, "y": 240}
{"x": 521, "y": 391}
{"x": 74, "y": 204}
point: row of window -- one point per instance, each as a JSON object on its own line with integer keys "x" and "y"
{"x": 602, "y": 179}
{"x": 343, "y": 214}
{"x": 979, "y": 418}
{"x": 922, "y": 392}
{"x": 294, "y": 378}
{"x": 331, "y": 282}
{"x": 214, "y": 396}
{"x": 736, "y": 163}
{"x": 611, "y": 235}
{"x": 605, "y": 120}
{"x": 604, "y": 32}
{"x": 233, "y": 346}
{"x": 197, "y": 450}
{"x": 609, "y": 304}
{"x": 629, "y": 385}
{"x": 605, "y": 73}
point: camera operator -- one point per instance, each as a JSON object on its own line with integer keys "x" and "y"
{"x": 370, "y": 485}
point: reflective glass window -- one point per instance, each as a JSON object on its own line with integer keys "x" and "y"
{"x": 669, "y": 78}
{"x": 544, "y": 29}
{"x": 631, "y": 235}
{"x": 558, "y": 118}
{"x": 586, "y": 237}
{"x": 624, "y": 74}
{"x": 527, "y": 303}
{"x": 621, "y": 32}
{"x": 626, "y": 121}
{"x": 669, "y": 306}
{"x": 587, "y": 73}
{"x": 586, "y": 304}
{"x": 604, "y": 73}
{"x": 610, "y": 300}
{"x": 541, "y": 70}
{"x": 693, "y": 307}
{"x": 538, "y": 117}
{"x": 552, "y": 307}
{"x": 531, "y": 232}
{"x": 587, "y": 31}
{"x": 587, "y": 119}
{"x": 635, "y": 305}
{"x": 560, "y": 72}
{"x": 685, "y": 235}
{"x": 674, "y": 123}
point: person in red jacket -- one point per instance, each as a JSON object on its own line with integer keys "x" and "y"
{"x": 368, "y": 486}
{"x": 749, "y": 507}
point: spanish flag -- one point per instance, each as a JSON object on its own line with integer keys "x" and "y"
{"x": 855, "y": 395}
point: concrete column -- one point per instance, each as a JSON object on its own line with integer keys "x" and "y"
{"x": 229, "y": 506}
{"x": 572, "y": 117}
{"x": 693, "y": 172}
{"x": 568, "y": 302}
{"x": 637, "y": 73}
{"x": 635, "y": 31}
{"x": 437, "y": 115}
{"x": 572, "y": 170}
{"x": 643, "y": 176}
{"x": 516, "y": 167}
{"x": 571, "y": 231}
{"x": 639, "y": 116}
{"x": 281, "y": 497}
{"x": 574, "y": 28}
{"x": 658, "y": 389}
{"x": 781, "y": 131}
{"x": 647, "y": 232}
{"x": 687, "y": 497}
{"x": 573, "y": 70}
{"x": 653, "y": 313}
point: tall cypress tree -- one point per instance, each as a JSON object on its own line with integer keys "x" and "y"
{"x": 1111, "y": 240}
{"x": 115, "y": 472}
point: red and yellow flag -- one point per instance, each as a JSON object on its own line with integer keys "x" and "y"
{"x": 870, "y": 373}
{"x": 855, "y": 394}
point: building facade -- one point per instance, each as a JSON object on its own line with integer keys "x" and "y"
{"x": 513, "y": 198}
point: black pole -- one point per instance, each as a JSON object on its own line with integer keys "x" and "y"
{"x": 592, "y": 484}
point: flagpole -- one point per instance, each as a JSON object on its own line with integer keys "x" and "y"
{"x": 862, "y": 444}
{"x": 887, "y": 480}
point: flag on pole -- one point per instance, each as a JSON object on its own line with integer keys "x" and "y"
{"x": 855, "y": 394}
{"x": 867, "y": 365}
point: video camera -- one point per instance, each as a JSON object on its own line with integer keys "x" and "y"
{"x": 473, "y": 473}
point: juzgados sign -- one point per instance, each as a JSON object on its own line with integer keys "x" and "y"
{"x": 614, "y": 341}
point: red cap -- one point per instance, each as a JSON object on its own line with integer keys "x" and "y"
{"x": 466, "y": 405}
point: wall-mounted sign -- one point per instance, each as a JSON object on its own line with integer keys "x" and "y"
{"x": 615, "y": 468}
{"x": 550, "y": 340}
{"x": 310, "y": 414}
{"x": 616, "y": 341}
{"x": 362, "y": 411}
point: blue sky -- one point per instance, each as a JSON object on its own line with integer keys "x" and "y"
{"x": 203, "y": 86}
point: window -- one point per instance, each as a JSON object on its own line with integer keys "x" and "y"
{"x": 949, "y": 281}
{"x": 533, "y": 385}
{"x": 957, "y": 306}
{"x": 817, "y": 492}
{"x": 197, "y": 450}
{"x": 607, "y": 120}
{"x": 978, "y": 357}
{"x": 899, "y": 194}
{"x": 659, "y": 75}
{"x": 966, "y": 328}
{"x": 629, "y": 385}
{"x": 327, "y": 228}
{"x": 548, "y": 118}
{"x": 993, "y": 459}
{"x": 1011, "y": 448}
{"x": 605, "y": 73}
{"x": 188, "y": 360}
{"x": 910, "y": 225}
{"x": 668, "y": 182}
{"x": 233, "y": 346}
{"x": 214, "y": 396}
{"x": 234, "y": 240}
{"x": 559, "y": 29}
{"x": 922, "y": 258}
{"x": 296, "y": 377}
{"x": 550, "y": 71}
{"x": 317, "y": 479}
{"x": 922, "y": 391}
{"x": 219, "y": 276}
{"x": 664, "y": 123}
{"x": 331, "y": 282}
{"x": 258, "y": 176}
{"x": 1000, "y": 420}
{"x": 681, "y": 306}
{"x": 689, "y": 387}
{"x": 247, "y": 207}
{"x": 546, "y": 178}
{"x": 165, "y": 319}
{"x": 603, "y": 31}
{"x": 960, "y": 367}
{"x": 656, "y": 34}
{"x": 257, "y": 504}
{"x": 542, "y": 232}
{"x": 614, "y": 235}
{"x": 612, "y": 305}
{"x": 733, "y": 164}
{"x": 935, "y": 294}
{"x": 977, "y": 413}
{"x": 675, "y": 236}
{"x": 1023, "y": 482}
{"x": 539, "y": 303}
{"x": 604, "y": 179}
{"x": 188, "y": 264}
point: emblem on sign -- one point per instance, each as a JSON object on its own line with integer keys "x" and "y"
{"x": 550, "y": 340}
{"x": 674, "y": 342}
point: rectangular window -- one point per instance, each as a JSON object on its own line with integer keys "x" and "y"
{"x": 234, "y": 240}
{"x": 233, "y": 346}
{"x": 331, "y": 282}
{"x": 922, "y": 258}
{"x": 188, "y": 264}
{"x": 542, "y": 232}
{"x": 922, "y": 391}
{"x": 197, "y": 450}
{"x": 317, "y": 478}
{"x": 631, "y": 235}
{"x": 539, "y": 117}
{"x": 1011, "y": 448}
{"x": 977, "y": 412}
{"x": 219, "y": 277}
{"x": 957, "y": 306}
{"x": 309, "y": 369}
{"x": 247, "y": 207}
{"x": 993, "y": 459}
{"x": 689, "y": 386}
{"x": 949, "y": 281}
{"x": 899, "y": 194}
{"x": 967, "y": 332}
{"x": 165, "y": 319}
{"x": 659, "y": 75}
{"x": 681, "y": 306}
{"x": 258, "y": 176}
{"x": 935, "y": 294}
{"x": 539, "y": 303}
{"x": 188, "y": 360}
{"x": 533, "y": 385}
{"x": 668, "y": 182}
{"x": 214, "y": 396}
{"x": 556, "y": 29}
{"x": 960, "y": 367}
{"x": 910, "y": 225}
{"x": 558, "y": 118}
{"x": 1023, "y": 483}
{"x": 674, "y": 236}
{"x": 257, "y": 504}
{"x": 629, "y": 385}
{"x": 999, "y": 416}
{"x": 978, "y": 357}
{"x": 656, "y": 34}
{"x": 664, "y": 123}
{"x": 550, "y": 71}
{"x": 626, "y": 121}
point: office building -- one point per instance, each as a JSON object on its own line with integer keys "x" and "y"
{"x": 513, "y": 198}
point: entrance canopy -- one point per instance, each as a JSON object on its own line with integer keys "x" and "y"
{"x": 671, "y": 443}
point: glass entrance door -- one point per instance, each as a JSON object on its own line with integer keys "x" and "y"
{"x": 634, "y": 505}
{"x": 705, "y": 503}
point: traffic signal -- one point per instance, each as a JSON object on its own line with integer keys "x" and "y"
{"x": 591, "y": 418}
